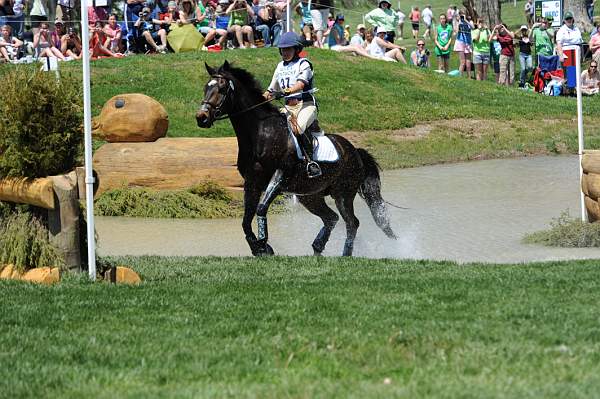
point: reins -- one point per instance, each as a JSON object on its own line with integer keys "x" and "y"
{"x": 225, "y": 116}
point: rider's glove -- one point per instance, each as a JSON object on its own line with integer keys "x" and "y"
{"x": 287, "y": 92}
{"x": 278, "y": 94}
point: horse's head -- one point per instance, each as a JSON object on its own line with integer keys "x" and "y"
{"x": 218, "y": 94}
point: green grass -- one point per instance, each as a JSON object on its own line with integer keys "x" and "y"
{"x": 566, "y": 231}
{"x": 307, "y": 327}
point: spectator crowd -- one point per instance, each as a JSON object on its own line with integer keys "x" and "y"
{"x": 143, "y": 27}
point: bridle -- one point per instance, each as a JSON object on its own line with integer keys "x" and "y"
{"x": 217, "y": 108}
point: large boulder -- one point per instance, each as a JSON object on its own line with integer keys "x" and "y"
{"x": 131, "y": 118}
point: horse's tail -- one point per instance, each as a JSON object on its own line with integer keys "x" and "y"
{"x": 370, "y": 191}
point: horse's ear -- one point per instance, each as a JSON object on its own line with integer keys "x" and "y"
{"x": 226, "y": 65}
{"x": 211, "y": 71}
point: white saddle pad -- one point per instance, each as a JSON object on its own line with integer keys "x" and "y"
{"x": 324, "y": 151}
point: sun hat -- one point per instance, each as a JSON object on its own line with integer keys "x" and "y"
{"x": 58, "y": 21}
{"x": 384, "y": 1}
{"x": 380, "y": 29}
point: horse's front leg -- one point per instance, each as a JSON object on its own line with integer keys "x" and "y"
{"x": 261, "y": 213}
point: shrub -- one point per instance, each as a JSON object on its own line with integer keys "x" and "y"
{"x": 24, "y": 243}
{"x": 40, "y": 123}
{"x": 567, "y": 232}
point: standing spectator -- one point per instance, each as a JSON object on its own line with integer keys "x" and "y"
{"x": 319, "y": 11}
{"x": 507, "y": 54}
{"x": 42, "y": 43}
{"x": 567, "y": 35}
{"x": 542, "y": 37}
{"x": 525, "y": 58}
{"x": 442, "y": 41}
{"x": 378, "y": 47}
{"x": 463, "y": 44}
{"x": 595, "y": 47}
{"x": 359, "y": 37}
{"x": 9, "y": 45}
{"x": 241, "y": 13}
{"x": 529, "y": 12}
{"x": 401, "y": 18}
{"x": 112, "y": 31}
{"x": 415, "y": 17}
{"x": 37, "y": 14}
{"x": 268, "y": 26}
{"x": 420, "y": 56}
{"x": 133, "y": 8}
{"x": 428, "y": 19}
{"x": 589, "y": 7}
{"x": 70, "y": 44}
{"x": 17, "y": 20}
{"x": 306, "y": 24}
{"x": 495, "y": 50}
{"x": 481, "y": 50}
{"x": 384, "y": 17}
{"x": 590, "y": 79}
{"x": 65, "y": 9}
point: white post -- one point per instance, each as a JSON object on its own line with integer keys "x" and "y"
{"x": 287, "y": 16}
{"x": 87, "y": 128}
{"x": 580, "y": 128}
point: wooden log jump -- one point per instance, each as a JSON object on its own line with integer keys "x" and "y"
{"x": 168, "y": 163}
{"x": 37, "y": 192}
{"x": 590, "y": 183}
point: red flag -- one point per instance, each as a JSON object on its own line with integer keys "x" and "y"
{"x": 570, "y": 60}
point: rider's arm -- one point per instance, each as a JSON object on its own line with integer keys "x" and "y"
{"x": 273, "y": 87}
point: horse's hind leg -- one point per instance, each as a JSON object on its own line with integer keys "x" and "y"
{"x": 345, "y": 204}
{"x": 317, "y": 206}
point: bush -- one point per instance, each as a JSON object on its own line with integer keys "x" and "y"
{"x": 567, "y": 232}
{"x": 24, "y": 243}
{"x": 40, "y": 123}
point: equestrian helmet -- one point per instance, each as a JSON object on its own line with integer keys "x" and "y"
{"x": 289, "y": 39}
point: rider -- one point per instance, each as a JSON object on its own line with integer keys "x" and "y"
{"x": 293, "y": 78}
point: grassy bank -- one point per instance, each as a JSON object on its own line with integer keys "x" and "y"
{"x": 355, "y": 94}
{"x": 307, "y": 327}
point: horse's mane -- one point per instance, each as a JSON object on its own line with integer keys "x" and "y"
{"x": 252, "y": 85}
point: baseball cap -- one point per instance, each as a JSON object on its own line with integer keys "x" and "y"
{"x": 568, "y": 15}
{"x": 381, "y": 30}
{"x": 524, "y": 27}
{"x": 360, "y": 26}
{"x": 58, "y": 21}
{"x": 172, "y": 4}
{"x": 339, "y": 17}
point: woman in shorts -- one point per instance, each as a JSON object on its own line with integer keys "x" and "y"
{"x": 463, "y": 45}
{"x": 415, "y": 17}
{"x": 481, "y": 50}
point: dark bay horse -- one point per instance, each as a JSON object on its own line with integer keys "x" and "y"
{"x": 268, "y": 162}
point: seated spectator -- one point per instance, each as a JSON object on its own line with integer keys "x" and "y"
{"x": 420, "y": 55}
{"x": 203, "y": 16}
{"x": 338, "y": 43}
{"x": 97, "y": 40}
{"x": 147, "y": 26}
{"x": 268, "y": 26}
{"x": 112, "y": 31}
{"x": 96, "y": 14}
{"x": 303, "y": 9}
{"x": 70, "y": 44}
{"x": 359, "y": 36}
{"x": 9, "y": 45}
{"x": 590, "y": 79}
{"x": 187, "y": 13}
{"x": 378, "y": 48}
{"x": 58, "y": 32}
{"x": 368, "y": 39}
{"x": 42, "y": 43}
{"x": 239, "y": 23}
{"x": 221, "y": 22}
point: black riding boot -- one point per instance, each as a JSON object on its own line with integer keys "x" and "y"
{"x": 312, "y": 168}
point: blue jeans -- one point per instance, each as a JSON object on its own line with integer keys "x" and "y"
{"x": 15, "y": 22}
{"x": 590, "y": 13}
{"x": 526, "y": 63}
{"x": 270, "y": 35}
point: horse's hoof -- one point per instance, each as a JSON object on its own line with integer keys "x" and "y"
{"x": 265, "y": 250}
{"x": 317, "y": 253}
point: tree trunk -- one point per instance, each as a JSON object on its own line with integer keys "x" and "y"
{"x": 577, "y": 7}
{"x": 487, "y": 10}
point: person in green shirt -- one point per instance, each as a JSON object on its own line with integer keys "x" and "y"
{"x": 241, "y": 13}
{"x": 542, "y": 36}
{"x": 442, "y": 44}
{"x": 481, "y": 50}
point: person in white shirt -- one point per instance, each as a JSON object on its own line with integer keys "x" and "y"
{"x": 401, "y": 18}
{"x": 379, "y": 46}
{"x": 359, "y": 37}
{"x": 567, "y": 35}
{"x": 427, "y": 16}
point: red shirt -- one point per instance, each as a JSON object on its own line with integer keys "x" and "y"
{"x": 506, "y": 43}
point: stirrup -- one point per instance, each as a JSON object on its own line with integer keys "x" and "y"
{"x": 313, "y": 170}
